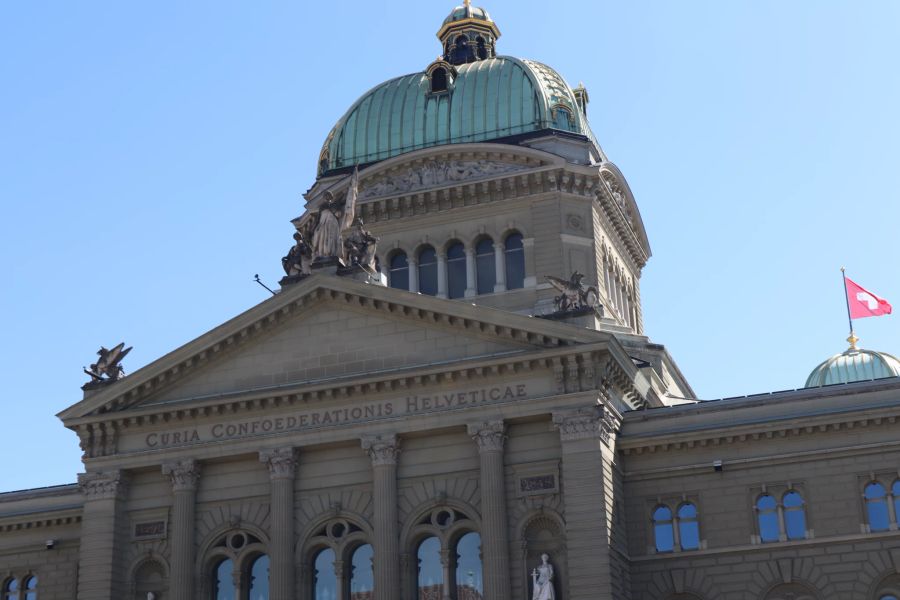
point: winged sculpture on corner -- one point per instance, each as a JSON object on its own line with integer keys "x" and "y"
{"x": 108, "y": 367}
{"x": 574, "y": 295}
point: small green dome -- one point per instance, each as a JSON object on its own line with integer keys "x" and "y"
{"x": 854, "y": 365}
{"x": 467, "y": 12}
{"x": 485, "y": 100}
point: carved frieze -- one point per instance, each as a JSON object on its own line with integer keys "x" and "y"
{"x": 101, "y": 485}
{"x": 489, "y": 435}
{"x": 433, "y": 173}
{"x": 183, "y": 473}
{"x": 282, "y": 462}
{"x": 382, "y": 449}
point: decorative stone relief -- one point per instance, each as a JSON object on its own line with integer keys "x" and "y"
{"x": 382, "y": 449}
{"x": 282, "y": 462}
{"x": 99, "y": 486}
{"x": 183, "y": 473}
{"x": 489, "y": 435}
{"x": 586, "y": 423}
{"x": 433, "y": 173}
{"x": 98, "y": 439}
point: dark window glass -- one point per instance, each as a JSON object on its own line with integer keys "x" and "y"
{"x": 481, "y": 49}
{"x": 325, "y": 582}
{"x": 428, "y": 271}
{"x": 485, "y": 266}
{"x": 767, "y": 509}
{"x": 399, "y": 271}
{"x": 688, "y": 528}
{"x": 10, "y": 590}
{"x": 515, "y": 261}
{"x": 563, "y": 119}
{"x": 876, "y": 507}
{"x": 224, "y": 581}
{"x": 468, "y": 567}
{"x": 663, "y": 531}
{"x": 888, "y": 597}
{"x": 456, "y": 270}
{"x": 362, "y": 578}
{"x": 431, "y": 573}
{"x": 794, "y": 516}
{"x": 439, "y": 80}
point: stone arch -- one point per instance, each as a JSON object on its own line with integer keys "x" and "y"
{"x": 799, "y": 572}
{"x": 212, "y": 550}
{"x": 791, "y": 591}
{"x": 887, "y": 584}
{"x": 150, "y": 573}
{"x": 309, "y": 542}
{"x": 683, "y": 584}
{"x": 544, "y": 532}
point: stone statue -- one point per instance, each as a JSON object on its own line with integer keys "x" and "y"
{"x": 151, "y": 596}
{"x": 574, "y": 296}
{"x": 542, "y": 580}
{"x": 298, "y": 258}
{"x": 326, "y": 239}
{"x": 360, "y": 245}
{"x": 107, "y": 368}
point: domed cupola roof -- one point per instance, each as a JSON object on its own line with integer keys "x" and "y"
{"x": 467, "y": 11}
{"x": 854, "y": 365}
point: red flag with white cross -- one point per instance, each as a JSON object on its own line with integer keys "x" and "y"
{"x": 863, "y": 303}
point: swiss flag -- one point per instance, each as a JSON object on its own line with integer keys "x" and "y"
{"x": 864, "y": 303}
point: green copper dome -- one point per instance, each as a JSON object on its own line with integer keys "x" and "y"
{"x": 854, "y": 365}
{"x": 476, "y": 102}
{"x": 467, "y": 12}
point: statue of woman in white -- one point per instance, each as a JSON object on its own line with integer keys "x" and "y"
{"x": 542, "y": 577}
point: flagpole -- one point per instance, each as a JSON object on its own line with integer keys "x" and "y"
{"x": 852, "y": 339}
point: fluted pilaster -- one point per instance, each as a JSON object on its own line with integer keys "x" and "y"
{"x": 491, "y": 437}
{"x": 184, "y": 475}
{"x": 98, "y": 558}
{"x": 384, "y": 451}
{"x": 282, "y": 464}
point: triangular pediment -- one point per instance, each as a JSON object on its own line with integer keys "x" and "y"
{"x": 328, "y": 330}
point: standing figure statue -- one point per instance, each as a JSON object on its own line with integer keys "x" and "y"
{"x": 326, "y": 239}
{"x": 299, "y": 257}
{"x": 542, "y": 578}
{"x": 360, "y": 246}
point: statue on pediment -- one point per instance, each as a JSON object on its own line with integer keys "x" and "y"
{"x": 360, "y": 246}
{"x": 333, "y": 220}
{"x": 299, "y": 257}
{"x": 108, "y": 368}
{"x": 574, "y": 295}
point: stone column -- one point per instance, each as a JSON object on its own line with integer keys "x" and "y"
{"x": 530, "y": 274}
{"x": 184, "y": 475}
{"x": 588, "y": 440}
{"x": 442, "y": 274}
{"x": 500, "y": 266}
{"x": 98, "y": 560}
{"x": 282, "y": 463}
{"x": 384, "y": 450}
{"x": 471, "y": 277}
{"x": 413, "y": 274}
{"x": 490, "y": 437}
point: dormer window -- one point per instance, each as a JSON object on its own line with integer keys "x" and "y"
{"x": 562, "y": 118}
{"x": 439, "y": 80}
{"x": 440, "y": 76}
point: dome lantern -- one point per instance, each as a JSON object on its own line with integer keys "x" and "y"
{"x": 468, "y": 35}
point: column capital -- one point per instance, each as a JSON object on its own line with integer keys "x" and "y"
{"x": 382, "y": 449}
{"x": 596, "y": 422}
{"x": 282, "y": 462}
{"x": 489, "y": 435}
{"x": 101, "y": 485}
{"x": 183, "y": 473}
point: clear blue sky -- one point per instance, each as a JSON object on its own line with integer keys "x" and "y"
{"x": 152, "y": 154}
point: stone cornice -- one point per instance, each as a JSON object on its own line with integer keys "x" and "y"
{"x": 52, "y": 517}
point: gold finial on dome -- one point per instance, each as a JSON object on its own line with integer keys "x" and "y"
{"x": 467, "y": 3}
{"x": 852, "y": 339}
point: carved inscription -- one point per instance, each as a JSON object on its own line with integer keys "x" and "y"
{"x": 537, "y": 483}
{"x": 150, "y": 529}
{"x": 410, "y": 405}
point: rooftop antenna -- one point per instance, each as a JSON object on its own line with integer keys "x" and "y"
{"x": 259, "y": 281}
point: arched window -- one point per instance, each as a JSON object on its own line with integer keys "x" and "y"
{"x": 439, "y": 80}
{"x": 469, "y": 583}
{"x": 663, "y": 529}
{"x": 515, "y": 261}
{"x": 895, "y": 492}
{"x": 688, "y": 527}
{"x": 767, "y": 515}
{"x": 259, "y": 579}
{"x": 431, "y": 572}
{"x": 794, "y": 516}
{"x": 325, "y": 579}
{"x": 456, "y": 270}
{"x": 562, "y": 119}
{"x": 481, "y": 49}
{"x": 399, "y": 271}
{"x": 11, "y": 590}
{"x": 888, "y": 597}
{"x": 428, "y": 271}
{"x": 876, "y": 507}
{"x": 149, "y": 577}
{"x": 223, "y": 580}
{"x": 30, "y": 587}
{"x": 362, "y": 578}
{"x": 485, "y": 266}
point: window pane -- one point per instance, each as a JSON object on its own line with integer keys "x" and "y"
{"x": 663, "y": 532}
{"x": 795, "y": 524}
{"x": 456, "y": 271}
{"x": 687, "y": 511}
{"x": 259, "y": 579}
{"x": 485, "y": 266}
{"x": 362, "y": 579}
{"x": 896, "y": 492}
{"x": 888, "y": 597}
{"x": 31, "y": 588}
{"x": 428, "y": 271}
{"x": 431, "y": 574}
{"x": 876, "y": 507}
{"x": 515, "y": 262}
{"x": 468, "y": 567}
{"x": 224, "y": 581}
{"x": 874, "y": 491}
{"x": 399, "y": 272}
{"x": 690, "y": 535}
{"x": 769, "y": 530}
{"x": 792, "y": 500}
{"x": 325, "y": 583}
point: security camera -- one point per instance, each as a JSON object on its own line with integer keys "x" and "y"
{"x": 717, "y": 466}
{"x": 50, "y": 544}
